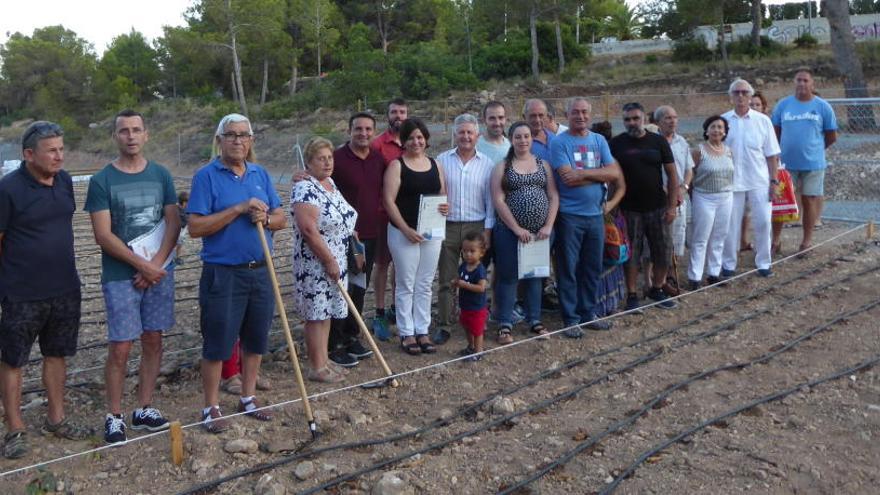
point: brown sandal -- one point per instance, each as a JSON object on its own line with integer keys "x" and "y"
{"x": 504, "y": 336}
{"x": 252, "y": 408}
{"x": 413, "y": 349}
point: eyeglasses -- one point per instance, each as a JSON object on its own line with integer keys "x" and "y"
{"x": 40, "y": 130}
{"x": 231, "y": 137}
{"x": 740, "y": 92}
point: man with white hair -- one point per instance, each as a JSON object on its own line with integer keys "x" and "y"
{"x": 756, "y": 160}
{"x": 467, "y": 172}
{"x": 667, "y": 121}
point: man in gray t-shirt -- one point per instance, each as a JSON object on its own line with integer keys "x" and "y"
{"x": 494, "y": 143}
{"x": 131, "y": 198}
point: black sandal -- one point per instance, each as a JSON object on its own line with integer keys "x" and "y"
{"x": 426, "y": 347}
{"x": 413, "y": 349}
{"x": 539, "y": 329}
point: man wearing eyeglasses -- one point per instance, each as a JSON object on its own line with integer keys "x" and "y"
{"x": 133, "y": 198}
{"x": 36, "y": 244}
{"x": 756, "y": 159}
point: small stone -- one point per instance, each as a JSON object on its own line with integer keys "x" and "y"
{"x": 328, "y": 467}
{"x": 304, "y": 470}
{"x": 59, "y": 486}
{"x": 356, "y": 418}
{"x": 241, "y": 446}
{"x": 502, "y": 405}
{"x": 555, "y": 442}
{"x": 268, "y": 486}
{"x": 391, "y": 484}
{"x": 405, "y": 428}
{"x": 102, "y": 475}
{"x": 282, "y": 444}
{"x": 199, "y": 464}
{"x": 609, "y": 479}
{"x": 761, "y": 474}
{"x": 322, "y": 416}
{"x": 446, "y": 413}
{"x": 873, "y": 407}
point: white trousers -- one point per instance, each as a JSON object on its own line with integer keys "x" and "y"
{"x": 414, "y": 268}
{"x": 680, "y": 227}
{"x": 711, "y": 214}
{"x": 762, "y": 230}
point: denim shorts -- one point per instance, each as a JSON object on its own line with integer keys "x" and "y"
{"x": 808, "y": 182}
{"x": 235, "y": 303}
{"x": 55, "y": 321}
{"x": 132, "y": 311}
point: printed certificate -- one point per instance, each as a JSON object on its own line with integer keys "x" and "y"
{"x": 147, "y": 245}
{"x": 534, "y": 259}
{"x": 432, "y": 223}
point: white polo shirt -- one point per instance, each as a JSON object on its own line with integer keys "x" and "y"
{"x": 468, "y": 187}
{"x": 684, "y": 161}
{"x": 752, "y": 140}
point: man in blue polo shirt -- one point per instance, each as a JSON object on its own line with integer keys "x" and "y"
{"x": 535, "y": 113}
{"x": 806, "y": 126}
{"x": 581, "y": 162}
{"x": 39, "y": 285}
{"x": 228, "y": 197}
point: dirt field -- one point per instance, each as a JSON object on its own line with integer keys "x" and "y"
{"x": 599, "y": 404}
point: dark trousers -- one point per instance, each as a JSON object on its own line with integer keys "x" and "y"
{"x": 345, "y": 331}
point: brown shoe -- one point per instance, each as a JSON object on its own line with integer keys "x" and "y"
{"x": 214, "y": 422}
{"x": 324, "y": 375}
{"x": 252, "y": 408}
{"x": 231, "y": 385}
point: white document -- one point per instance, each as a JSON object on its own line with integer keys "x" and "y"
{"x": 147, "y": 245}
{"x": 432, "y": 223}
{"x": 534, "y": 259}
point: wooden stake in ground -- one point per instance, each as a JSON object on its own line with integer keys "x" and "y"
{"x": 176, "y": 443}
{"x": 313, "y": 428}
{"x": 366, "y": 332}
{"x": 870, "y": 230}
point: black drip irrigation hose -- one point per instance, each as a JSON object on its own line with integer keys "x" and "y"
{"x": 205, "y": 487}
{"x": 633, "y": 417}
{"x": 868, "y": 363}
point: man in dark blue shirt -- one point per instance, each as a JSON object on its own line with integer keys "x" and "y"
{"x": 36, "y": 244}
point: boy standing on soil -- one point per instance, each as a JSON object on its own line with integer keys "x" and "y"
{"x": 127, "y": 200}
{"x": 471, "y": 284}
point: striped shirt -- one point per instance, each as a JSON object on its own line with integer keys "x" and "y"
{"x": 467, "y": 187}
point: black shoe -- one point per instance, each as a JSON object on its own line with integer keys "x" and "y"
{"x": 693, "y": 285}
{"x": 440, "y": 336}
{"x": 658, "y": 295}
{"x": 358, "y": 351}
{"x": 148, "y": 418}
{"x": 765, "y": 272}
{"x": 712, "y": 280}
{"x": 343, "y": 358}
{"x": 114, "y": 429}
{"x": 633, "y": 304}
{"x": 727, "y": 273}
{"x": 601, "y": 325}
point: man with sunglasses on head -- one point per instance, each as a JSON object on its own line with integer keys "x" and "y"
{"x": 128, "y": 199}
{"x": 36, "y": 244}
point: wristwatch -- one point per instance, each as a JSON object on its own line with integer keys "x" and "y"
{"x": 685, "y": 186}
{"x": 775, "y": 182}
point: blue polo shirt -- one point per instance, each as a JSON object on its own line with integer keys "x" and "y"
{"x": 803, "y": 124}
{"x": 580, "y": 152}
{"x": 214, "y": 189}
{"x": 542, "y": 150}
{"x": 37, "y": 261}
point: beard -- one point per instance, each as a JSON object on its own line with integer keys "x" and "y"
{"x": 634, "y": 131}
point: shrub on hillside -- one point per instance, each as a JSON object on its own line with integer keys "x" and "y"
{"x": 744, "y": 46}
{"x": 806, "y": 40}
{"x": 691, "y": 50}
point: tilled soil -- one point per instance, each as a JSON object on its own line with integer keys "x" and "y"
{"x": 542, "y": 416}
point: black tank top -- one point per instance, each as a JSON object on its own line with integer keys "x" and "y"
{"x": 412, "y": 185}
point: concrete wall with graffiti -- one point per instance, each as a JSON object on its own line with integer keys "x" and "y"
{"x": 864, "y": 27}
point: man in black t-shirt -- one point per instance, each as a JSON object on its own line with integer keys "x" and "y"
{"x": 649, "y": 211}
{"x": 39, "y": 284}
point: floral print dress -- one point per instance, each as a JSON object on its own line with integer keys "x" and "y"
{"x": 316, "y": 297}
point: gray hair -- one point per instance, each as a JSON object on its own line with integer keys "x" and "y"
{"x": 737, "y": 81}
{"x": 569, "y": 103}
{"x": 530, "y": 102}
{"x": 551, "y": 110}
{"x": 37, "y": 131}
{"x": 662, "y": 111}
{"x": 463, "y": 119}
{"x": 232, "y": 118}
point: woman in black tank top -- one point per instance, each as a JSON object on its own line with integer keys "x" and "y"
{"x": 415, "y": 258}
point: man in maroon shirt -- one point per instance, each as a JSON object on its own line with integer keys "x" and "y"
{"x": 388, "y": 145}
{"x": 358, "y": 172}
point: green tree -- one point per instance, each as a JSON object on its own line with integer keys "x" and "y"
{"x": 318, "y": 22}
{"x": 191, "y": 64}
{"x": 364, "y": 73}
{"x": 48, "y": 75}
{"x": 130, "y": 57}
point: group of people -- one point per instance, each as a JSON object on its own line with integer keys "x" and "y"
{"x": 356, "y": 207}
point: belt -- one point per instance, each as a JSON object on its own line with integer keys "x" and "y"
{"x": 250, "y": 265}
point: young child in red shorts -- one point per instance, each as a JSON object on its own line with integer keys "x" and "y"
{"x": 472, "y": 283}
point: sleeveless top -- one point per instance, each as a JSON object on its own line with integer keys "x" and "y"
{"x": 714, "y": 174}
{"x": 526, "y": 196}
{"x": 412, "y": 185}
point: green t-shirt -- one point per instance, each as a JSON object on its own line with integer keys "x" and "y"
{"x": 136, "y": 203}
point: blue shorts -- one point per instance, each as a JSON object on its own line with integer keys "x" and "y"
{"x": 132, "y": 311}
{"x": 236, "y": 303}
{"x": 808, "y": 182}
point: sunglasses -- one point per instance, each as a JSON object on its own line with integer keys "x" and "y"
{"x": 40, "y": 129}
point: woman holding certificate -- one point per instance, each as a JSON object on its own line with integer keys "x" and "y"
{"x": 408, "y": 180}
{"x": 526, "y": 203}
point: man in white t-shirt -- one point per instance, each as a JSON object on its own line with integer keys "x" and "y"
{"x": 494, "y": 143}
{"x": 756, "y": 160}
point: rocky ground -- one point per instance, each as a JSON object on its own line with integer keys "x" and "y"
{"x": 555, "y": 416}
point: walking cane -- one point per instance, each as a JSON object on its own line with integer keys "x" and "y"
{"x": 360, "y": 321}
{"x": 313, "y": 428}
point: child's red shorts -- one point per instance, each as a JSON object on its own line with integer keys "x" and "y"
{"x": 474, "y": 320}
